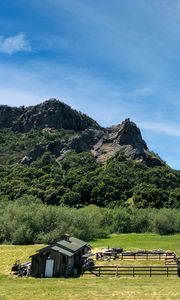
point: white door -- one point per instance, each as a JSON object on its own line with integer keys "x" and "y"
{"x": 49, "y": 268}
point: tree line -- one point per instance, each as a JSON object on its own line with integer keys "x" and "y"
{"x": 27, "y": 220}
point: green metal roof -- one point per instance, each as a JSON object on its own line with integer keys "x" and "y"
{"x": 77, "y": 242}
{"x": 72, "y": 245}
{"x": 61, "y": 250}
{"x": 66, "y": 247}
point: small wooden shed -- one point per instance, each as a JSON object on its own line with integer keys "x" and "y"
{"x": 62, "y": 259}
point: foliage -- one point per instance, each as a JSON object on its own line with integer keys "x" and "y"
{"x": 19, "y": 224}
{"x": 78, "y": 180}
{"x": 27, "y": 220}
{"x": 15, "y": 145}
{"x": 165, "y": 222}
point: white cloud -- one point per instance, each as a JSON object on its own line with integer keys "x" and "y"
{"x": 135, "y": 93}
{"x": 93, "y": 95}
{"x": 13, "y": 44}
{"x": 168, "y": 129}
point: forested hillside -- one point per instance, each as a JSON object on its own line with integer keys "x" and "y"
{"x": 79, "y": 180}
{"x": 106, "y": 167}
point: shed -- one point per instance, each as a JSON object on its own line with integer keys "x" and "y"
{"x": 61, "y": 259}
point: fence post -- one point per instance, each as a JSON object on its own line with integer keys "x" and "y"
{"x": 167, "y": 271}
{"x": 116, "y": 271}
{"x": 178, "y": 270}
{"x": 166, "y": 259}
{"x": 99, "y": 272}
{"x": 150, "y": 271}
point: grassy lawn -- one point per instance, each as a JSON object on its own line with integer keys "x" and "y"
{"x": 130, "y": 262}
{"x": 90, "y": 288}
{"x": 9, "y": 254}
{"x": 135, "y": 241}
{"x": 12, "y": 287}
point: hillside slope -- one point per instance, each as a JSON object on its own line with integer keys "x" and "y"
{"x": 54, "y": 126}
{"x": 62, "y": 156}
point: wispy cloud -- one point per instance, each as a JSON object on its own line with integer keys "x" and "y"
{"x": 14, "y": 43}
{"x": 169, "y": 129}
{"x": 80, "y": 89}
{"x": 136, "y": 93}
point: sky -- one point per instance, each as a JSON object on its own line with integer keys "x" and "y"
{"x": 109, "y": 59}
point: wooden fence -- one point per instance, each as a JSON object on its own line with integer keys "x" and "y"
{"x": 147, "y": 256}
{"x": 119, "y": 271}
{"x": 137, "y": 256}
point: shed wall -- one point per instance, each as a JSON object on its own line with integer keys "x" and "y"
{"x": 64, "y": 266}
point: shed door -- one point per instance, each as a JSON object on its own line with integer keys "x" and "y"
{"x": 49, "y": 268}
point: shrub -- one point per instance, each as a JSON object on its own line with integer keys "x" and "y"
{"x": 165, "y": 222}
{"x": 140, "y": 221}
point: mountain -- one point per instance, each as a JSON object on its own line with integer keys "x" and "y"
{"x": 88, "y": 135}
{"x": 50, "y": 114}
{"x": 62, "y": 156}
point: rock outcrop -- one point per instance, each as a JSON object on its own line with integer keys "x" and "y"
{"x": 82, "y": 141}
{"x": 126, "y": 138}
{"x": 103, "y": 143}
{"x": 49, "y": 114}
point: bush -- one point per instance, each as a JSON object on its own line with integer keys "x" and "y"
{"x": 23, "y": 235}
{"x": 166, "y": 222}
{"x": 121, "y": 221}
{"x": 140, "y": 221}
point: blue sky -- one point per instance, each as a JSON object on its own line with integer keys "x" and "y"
{"x": 109, "y": 59}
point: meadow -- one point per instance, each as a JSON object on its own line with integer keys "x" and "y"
{"x": 12, "y": 287}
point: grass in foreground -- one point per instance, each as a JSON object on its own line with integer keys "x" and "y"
{"x": 90, "y": 288}
{"x": 12, "y": 287}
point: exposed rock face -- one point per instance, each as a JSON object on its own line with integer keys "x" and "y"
{"x": 125, "y": 138}
{"x": 8, "y": 115}
{"x": 103, "y": 144}
{"x": 80, "y": 142}
{"x": 89, "y": 136}
{"x": 51, "y": 114}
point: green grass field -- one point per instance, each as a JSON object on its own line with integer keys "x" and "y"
{"x": 12, "y": 287}
{"x": 135, "y": 241}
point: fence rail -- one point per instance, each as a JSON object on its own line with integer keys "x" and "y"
{"x": 147, "y": 256}
{"x": 138, "y": 256}
{"x": 132, "y": 271}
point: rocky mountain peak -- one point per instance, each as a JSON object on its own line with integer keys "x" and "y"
{"x": 87, "y": 134}
{"x": 126, "y": 138}
{"x": 127, "y": 133}
{"x": 49, "y": 114}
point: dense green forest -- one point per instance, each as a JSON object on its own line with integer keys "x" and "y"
{"x": 78, "y": 180}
